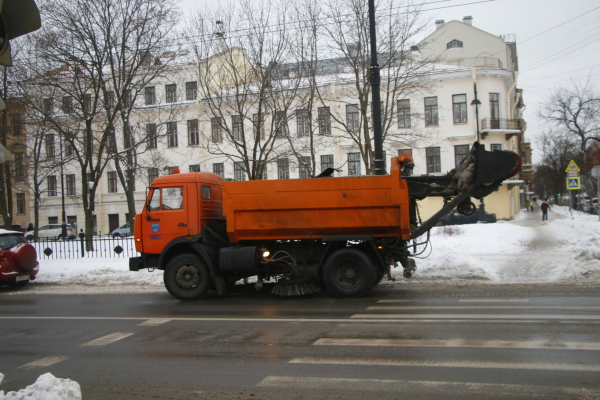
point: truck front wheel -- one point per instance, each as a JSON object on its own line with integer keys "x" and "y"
{"x": 186, "y": 277}
{"x": 349, "y": 273}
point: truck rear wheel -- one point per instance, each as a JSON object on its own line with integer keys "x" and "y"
{"x": 349, "y": 273}
{"x": 186, "y": 277}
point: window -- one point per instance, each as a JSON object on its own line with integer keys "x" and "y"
{"x": 171, "y": 92}
{"x": 460, "y": 153}
{"x": 304, "y": 167}
{"x": 494, "y": 111}
{"x": 404, "y": 113}
{"x": 52, "y": 220}
{"x": 69, "y": 149}
{"x": 70, "y": 179}
{"x": 20, "y": 203}
{"x": 72, "y": 220}
{"x": 239, "y": 174}
{"x": 433, "y": 159}
{"x": 431, "y": 111}
{"x": 324, "y": 121}
{"x": 191, "y": 90}
{"x": 454, "y": 44}
{"x": 19, "y": 165}
{"x": 67, "y": 104}
{"x": 51, "y": 185}
{"x": 112, "y": 182}
{"x": 459, "y": 108}
{"x": 50, "y": 153}
{"x": 326, "y": 162}
{"x": 353, "y": 163}
{"x": 195, "y": 168}
{"x": 205, "y": 191}
{"x": 259, "y": 124}
{"x": 217, "y": 132}
{"x": 172, "y": 198}
{"x": 171, "y": 170}
{"x": 219, "y": 169}
{"x": 151, "y": 135}
{"x": 261, "y": 170}
{"x": 352, "y": 118}
{"x": 87, "y": 103}
{"x": 497, "y": 146}
{"x": 402, "y": 151}
{"x": 48, "y": 107}
{"x": 281, "y": 128}
{"x": 283, "y": 168}
{"x": 303, "y": 122}
{"x": 17, "y": 124}
{"x": 236, "y": 127}
{"x": 152, "y": 174}
{"x": 149, "y": 95}
{"x": 127, "y": 99}
{"x": 172, "y": 134}
{"x": 110, "y": 100}
{"x": 193, "y": 135}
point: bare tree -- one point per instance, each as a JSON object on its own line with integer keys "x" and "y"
{"x": 557, "y": 149}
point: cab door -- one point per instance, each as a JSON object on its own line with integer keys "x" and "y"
{"x": 165, "y": 219}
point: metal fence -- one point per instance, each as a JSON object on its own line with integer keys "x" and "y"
{"x": 102, "y": 247}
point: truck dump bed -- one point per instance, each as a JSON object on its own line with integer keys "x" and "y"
{"x": 318, "y": 207}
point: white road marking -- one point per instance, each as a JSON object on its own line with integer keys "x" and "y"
{"x": 573, "y": 308}
{"x": 493, "y": 300}
{"x": 503, "y": 344}
{"x": 155, "y": 322}
{"x": 433, "y": 387}
{"x": 445, "y": 364}
{"x": 476, "y": 316}
{"x": 43, "y": 362}
{"x": 104, "y": 340}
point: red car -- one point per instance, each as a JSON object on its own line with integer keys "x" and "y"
{"x": 18, "y": 259}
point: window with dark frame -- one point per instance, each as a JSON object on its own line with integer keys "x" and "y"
{"x": 258, "y": 123}
{"x": 219, "y": 169}
{"x": 431, "y": 111}
{"x": 128, "y": 99}
{"x": 171, "y": 169}
{"x": 53, "y": 220}
{"x": 324, "y": 118}
{"x": 326, "y": 162}
{"x": 239, "y": 172}
{"x": 404, "y": 113}
{"x": 171, "y": 93}
{"x": 150, "y": 95}
{"x": 20, "y": 203}
{"x": 193, "y": 133}
{"x": 304, "y": 167}
{"x": 191, "y": 90}
{"x": 216, "y": 130}
{"x": 87, "y": 103}
{"x": 195, "y": 168}
{"x": 19, "y": 165}
{"x": 172, "y": 134}
{"x": 494, "y": 111}
{"x": 281, "y": 128}
{"x": 459, "y": 108}
{"x": 283, "y": 168}
{"x": 50, "y": 149}
{"x": 110, "y": 100}
{"x": 495, "y": 146}
{"x": 236, "y": 127}
{"x": 51, "y": 179}
{"x": 151, "y": 135}
{"x": 152, "y": 174}
{"x": 454, "y": 44}
{"x": 48, "y": 107}
{"x": 460, "y": 153}
{"x": 67, "y": 104}
{"x": 353, "y": 163}
{"x": 17, "y": 124}
{"x": 112, "y": 182}
{"x": 302, "y": 122}
{"x": 402, "y": 151}
{"x": 352, "y": 118}
{"x": 70, "y": 182}
{"x": 432, "y": 155}
{"x": 261, "y": 169}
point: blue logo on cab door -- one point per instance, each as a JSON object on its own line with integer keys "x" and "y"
{"x": 155, "y": 227}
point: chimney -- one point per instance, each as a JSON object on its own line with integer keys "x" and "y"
{"x": 468, "y": 20}
{"x": 220, "y": 37}
{"x": 439, "y": 23}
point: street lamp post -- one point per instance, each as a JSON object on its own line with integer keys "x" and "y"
{"x": 476, "y": 103}
{"x": 62, "y": 191}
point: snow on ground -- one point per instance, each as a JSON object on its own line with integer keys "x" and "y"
{"x": 46, "y": 387}
{"x": 524, "y": 250}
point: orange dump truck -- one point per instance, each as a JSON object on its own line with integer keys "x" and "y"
{"x": 344, "y": 233}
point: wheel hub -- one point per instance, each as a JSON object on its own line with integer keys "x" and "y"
{"x": 187, "y": 276}
{"x": 350, "y": 273}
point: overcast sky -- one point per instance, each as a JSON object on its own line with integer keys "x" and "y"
{"x": 552, "y": 50}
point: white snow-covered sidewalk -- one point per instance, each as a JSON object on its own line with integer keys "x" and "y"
{"x": 526, "y": 250}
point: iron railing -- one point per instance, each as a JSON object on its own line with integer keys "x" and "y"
{"x": 100, "y": 247}
{"x": 501, "y": 124}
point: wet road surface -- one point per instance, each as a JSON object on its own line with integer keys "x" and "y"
{"x": 486, "y": 342}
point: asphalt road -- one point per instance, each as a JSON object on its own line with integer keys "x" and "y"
{"x": 486, "y": 342}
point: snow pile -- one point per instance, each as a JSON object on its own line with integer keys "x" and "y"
{"x": 46, "y": 387}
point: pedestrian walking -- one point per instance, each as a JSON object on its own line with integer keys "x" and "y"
{"x": 545, "y": 206}
{"x": 527, "y": 205}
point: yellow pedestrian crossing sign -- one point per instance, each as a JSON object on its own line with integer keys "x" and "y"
{"x": 572, "y": 167}
{"x": 573, "y": 183}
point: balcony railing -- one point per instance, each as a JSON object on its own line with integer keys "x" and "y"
{"x": 489, "y": 62}
{"x": 501, "y": 124}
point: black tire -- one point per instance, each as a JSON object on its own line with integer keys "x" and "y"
{"x": 349, "y": 273}
{"x": 29, "y": 238}
{"x": 186, "y": 277}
